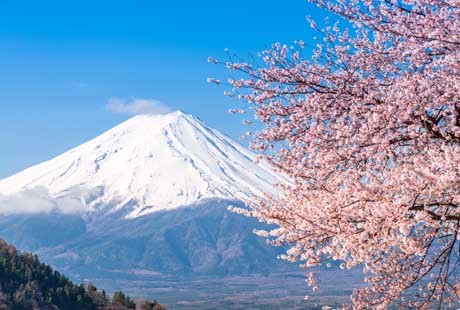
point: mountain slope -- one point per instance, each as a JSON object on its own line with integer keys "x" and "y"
{"x": 146, "y": 164}
{"x": 205, "y": 239}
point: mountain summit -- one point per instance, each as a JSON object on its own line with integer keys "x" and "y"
{"x": 149, "y": 163}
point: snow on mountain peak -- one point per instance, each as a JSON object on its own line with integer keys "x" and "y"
{"x": 150, "y": 163}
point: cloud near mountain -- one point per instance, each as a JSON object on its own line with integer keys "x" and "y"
{"x": 136, "y": 106}
{"x": 38, "y": 200}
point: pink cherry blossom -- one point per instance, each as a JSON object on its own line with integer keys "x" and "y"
{"x": 368, "y": 129}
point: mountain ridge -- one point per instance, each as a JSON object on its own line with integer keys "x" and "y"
{"x": 26, "y": 283}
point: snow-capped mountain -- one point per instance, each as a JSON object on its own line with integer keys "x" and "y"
{"x": 146, "y": 202}
{"x": 150, "y": 163}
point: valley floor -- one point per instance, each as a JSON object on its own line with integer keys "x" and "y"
{"x": 285, "y": 291}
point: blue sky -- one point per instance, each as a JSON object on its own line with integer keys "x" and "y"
{"x": 62, "y": 61}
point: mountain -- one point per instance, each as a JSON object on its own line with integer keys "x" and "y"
{"x": 146, "y": 202}
{"x": 146, "y": 164}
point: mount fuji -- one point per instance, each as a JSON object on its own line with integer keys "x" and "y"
{"x": 145, "y": 202}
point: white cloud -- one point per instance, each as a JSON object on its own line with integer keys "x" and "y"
{"x": 137, "y": 106}
{"x": 38, "y": 200}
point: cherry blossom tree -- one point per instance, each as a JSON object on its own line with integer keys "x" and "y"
{"x": 368, "y": 129}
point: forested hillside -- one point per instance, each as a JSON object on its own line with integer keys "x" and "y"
{"x": 26, "y": 283}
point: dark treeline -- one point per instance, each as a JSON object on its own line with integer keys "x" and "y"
{"x": 26, "y": 283}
